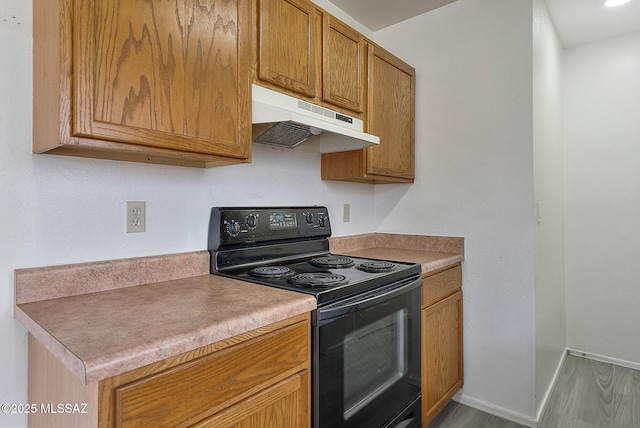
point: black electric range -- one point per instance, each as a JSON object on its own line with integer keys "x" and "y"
{"x": 288, "y": 247}
{"x": 365, "y": 332}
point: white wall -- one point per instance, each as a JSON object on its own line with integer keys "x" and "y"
{"x": 474, "y": 178}
{"x": 487, "y": 148}
{"x": 602, "y": 151}
{"x": 56, "y": 210}
{"x": 549, "y": 194}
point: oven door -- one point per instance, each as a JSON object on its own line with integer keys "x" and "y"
{"x": 367, "y": 358}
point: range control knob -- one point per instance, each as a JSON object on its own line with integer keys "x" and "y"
{"x": 308, "y": 218}
{"x": 322, "y": 221}
{"x": 233, "y": 228}
{"x": 252, "y": 221}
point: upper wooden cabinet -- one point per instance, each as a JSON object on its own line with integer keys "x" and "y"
{"x": 391, "y": 116}
{"x": 287, "y": 45}
{"x": 153, "y": 81}
{"x": 343, "y": 65}
{"x": 304, "y": 51}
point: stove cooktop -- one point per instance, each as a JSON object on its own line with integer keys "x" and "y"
{"x": 327, "y": 277}
{"x": 288, "y": 247}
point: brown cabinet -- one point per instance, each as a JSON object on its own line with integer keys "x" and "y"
{"x": 165, "y": 83}
{"x": 442, "y": 346}
{"x": 304, "y": 51}
{"x": 391, "y": 116}
{"x": 287, "y": 46}
{"x": 257, "y": 379}
{"x": 160, "y": 82}
{"x": 343, "y": 65}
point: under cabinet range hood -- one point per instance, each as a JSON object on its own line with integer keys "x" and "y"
{"x": 285, "y": 121}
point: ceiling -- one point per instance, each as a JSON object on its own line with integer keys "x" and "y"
{"x": 584, "y": 21}
{"x": 577, "y": 21}
{"x": 378, "y": 14}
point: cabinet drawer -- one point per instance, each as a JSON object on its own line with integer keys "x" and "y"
{"x": 195, "y": 390}
{"x": 279, "y": 405}
{"x": 440, "y": 285}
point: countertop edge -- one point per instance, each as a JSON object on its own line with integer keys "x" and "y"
{"x": 172, "y": 346}
{"x": 442, "y": 263}
{"x": 74, "y": 364}
{"x": 94, "y": 369}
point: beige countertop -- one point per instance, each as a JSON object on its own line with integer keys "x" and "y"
{"x": 430, "y": 260}
{"x": 105, "y": 333}
{"x": 432, "y": 252}
{"x": 101, "y": 319}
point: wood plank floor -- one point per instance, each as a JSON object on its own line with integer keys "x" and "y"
{"x": 592, "y": 394}
{"x": 456, "y": 415}
{"x": 588, "y": 394}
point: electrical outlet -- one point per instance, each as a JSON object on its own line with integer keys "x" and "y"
{"x": 346, "y": 213}
{"x": 136, "y": 216}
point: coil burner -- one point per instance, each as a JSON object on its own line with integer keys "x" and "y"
{"x": 271, "y": 272}
{"x": 318, "y": 279}
{"x": 332, "y": 262}
{"x": 376, "y": 266}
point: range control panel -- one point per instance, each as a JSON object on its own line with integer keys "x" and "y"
{"x": 249, "y": 225}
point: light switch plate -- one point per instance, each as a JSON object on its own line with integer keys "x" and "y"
{"x": 346, "y": 213}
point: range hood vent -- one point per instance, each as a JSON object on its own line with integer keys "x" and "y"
{"x": 285, "y": 121}
{"x": 287, "y": 134}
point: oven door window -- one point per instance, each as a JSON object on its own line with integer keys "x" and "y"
{"x": 374, "y": 359}
{"x": 369, "y": 366}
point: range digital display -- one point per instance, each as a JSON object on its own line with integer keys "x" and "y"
{"x": 282, "y": 220}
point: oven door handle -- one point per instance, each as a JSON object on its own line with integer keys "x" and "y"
{"x": 368, "y": 299}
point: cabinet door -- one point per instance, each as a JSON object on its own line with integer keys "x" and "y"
{"x": 287, "y": 45}
{"x": 172, "y": 75}
{"x": 442, "y": 358}
{"x": 391, "y": 101}
{"x": 343, "y": 65}
{"x": 389, "y": 114}
{"x": 283, "y": 405}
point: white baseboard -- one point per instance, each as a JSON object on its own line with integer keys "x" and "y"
{"x": 547, "y": 395}
{"x": 602, "y": 358}
{"x": 523, "y": 419}
{"x": 495, "y": 410}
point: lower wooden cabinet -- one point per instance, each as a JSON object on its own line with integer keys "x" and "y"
{"x": 442, "y": 345}
{"x": 274, "y": 407}
{"x": 256, "y": 379}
